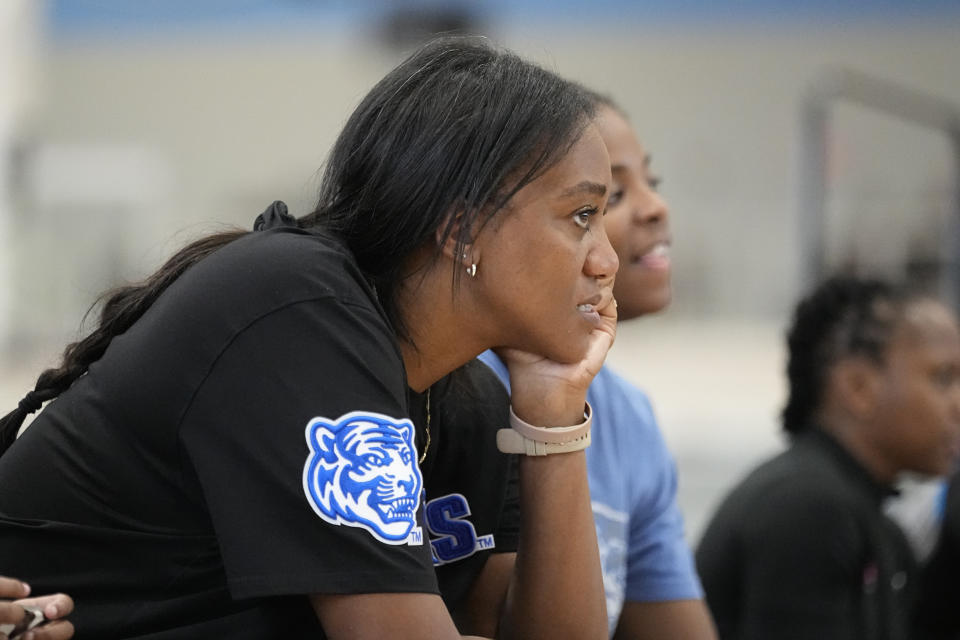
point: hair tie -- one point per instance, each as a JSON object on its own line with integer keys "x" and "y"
{"x": 275, "y": 216}
{"x": 30, "y": 403}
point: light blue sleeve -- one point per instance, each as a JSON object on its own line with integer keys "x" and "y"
{"x": 660, "y": 563}
{"x": 632, "y": 471}
{"x": 490, "y": 359}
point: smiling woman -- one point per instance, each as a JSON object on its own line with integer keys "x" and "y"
{"x": 638, "y": 220}
{"x": 257, "y": 418}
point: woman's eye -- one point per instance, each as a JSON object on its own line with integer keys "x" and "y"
{"x": 615, "y": 198}
{"x": 654, "y": 182}
{"x": 944, "y": 376}
{"x": 582, "y": 218}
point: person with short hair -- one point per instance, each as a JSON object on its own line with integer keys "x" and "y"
{"x": 801, "y": 548}
{"x": 284, "y": 432}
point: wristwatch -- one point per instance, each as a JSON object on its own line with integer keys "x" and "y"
{"x": 524, "y": 438}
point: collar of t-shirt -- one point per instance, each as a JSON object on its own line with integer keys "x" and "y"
{"x": 824, "y": 441}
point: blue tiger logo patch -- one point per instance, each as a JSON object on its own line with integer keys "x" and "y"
{"x": 362, "y": 472}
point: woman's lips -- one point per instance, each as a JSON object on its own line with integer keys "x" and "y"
{"x": 589, "y": 313}
{"x": 656, "y": 258}
{"x": 590, "y": 309}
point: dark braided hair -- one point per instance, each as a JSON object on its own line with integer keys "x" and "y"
{"x": 844, "y": 316}
{"x": 442, "y": 141}
{"x": 122, "y": 307}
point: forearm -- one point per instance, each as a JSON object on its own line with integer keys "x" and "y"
{"x": 675, "y": 619}
{"x": 557, "y": 587}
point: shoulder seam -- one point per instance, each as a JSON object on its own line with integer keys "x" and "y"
{"x": 213, "y": 362}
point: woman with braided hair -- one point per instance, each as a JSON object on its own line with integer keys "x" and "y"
{"x": 283, "y": 433}
{"x": 801, "y": 548}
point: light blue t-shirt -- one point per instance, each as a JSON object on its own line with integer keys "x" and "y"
{"x": 633, "y": 489}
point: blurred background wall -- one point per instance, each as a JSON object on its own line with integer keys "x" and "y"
{"x": 127, "y": 129}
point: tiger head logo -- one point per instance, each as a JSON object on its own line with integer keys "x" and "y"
{"x": 362, "y": 472}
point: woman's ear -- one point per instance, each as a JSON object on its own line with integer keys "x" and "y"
{"x": 858, "y": 383}
{"x": 467, "y": 254}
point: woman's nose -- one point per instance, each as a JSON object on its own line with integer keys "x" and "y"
{"x": 651, "y": 208}
{"x": 602, "y": 261}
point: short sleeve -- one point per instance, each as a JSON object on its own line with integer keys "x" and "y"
{"x": 300, "y": 441}
{"x": 660, "y": 565}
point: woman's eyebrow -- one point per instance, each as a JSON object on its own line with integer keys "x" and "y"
{"x": 586, "y": 186}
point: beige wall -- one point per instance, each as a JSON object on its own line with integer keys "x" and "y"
{"x": 228, "y": 125}
{"x": 136, "y": 147}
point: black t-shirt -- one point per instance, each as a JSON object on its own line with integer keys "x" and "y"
{"x": 248, "y": 441}
{"x": 472, "y": 502}
{"x": 801, "y": 549}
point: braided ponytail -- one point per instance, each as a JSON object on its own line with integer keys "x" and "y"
{"x": 121, "y": 308}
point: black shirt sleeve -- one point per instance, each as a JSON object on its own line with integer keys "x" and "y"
{"x": 300, "y": 441}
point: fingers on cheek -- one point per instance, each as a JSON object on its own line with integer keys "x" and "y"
{"x": 609, "y": 309}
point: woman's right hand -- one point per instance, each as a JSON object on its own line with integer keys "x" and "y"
{"x": 542, "y": 388}
{"x": 14, "y": 597}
